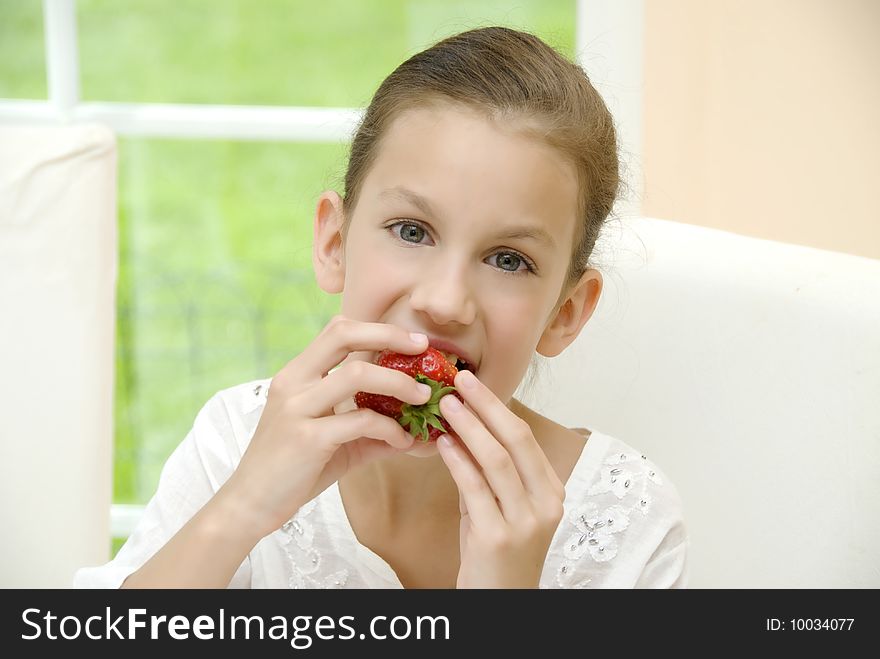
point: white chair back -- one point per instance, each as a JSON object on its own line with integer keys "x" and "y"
{"x": 749, "y": 371}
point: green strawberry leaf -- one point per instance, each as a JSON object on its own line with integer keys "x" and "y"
{"x": 417, "y": 418}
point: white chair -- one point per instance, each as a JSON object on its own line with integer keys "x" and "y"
{"x": 749, "y": 371}
{"x": 58, "y": 269}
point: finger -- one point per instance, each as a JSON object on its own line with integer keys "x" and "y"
{"x": 345, "y": 382}
{"x": 557, "y": 490}
{"x": 491, "y": 456}
{"x": 337, "y": 429}
{"x": 511, "y": 431}
{"x": 476, "y": 497}
{"x": 343, "y": 335}
{"x": 365, "y": 450}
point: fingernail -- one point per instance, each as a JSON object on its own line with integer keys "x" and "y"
{"x": 424, "y": 390}
{"x": 418, "y": 339}
{"x": 446, "y": 441}
{"x": 468, "y": 380}
{"x": 452, "y": 403}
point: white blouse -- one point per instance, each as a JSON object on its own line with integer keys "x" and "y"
{"x": 622, "y": 526}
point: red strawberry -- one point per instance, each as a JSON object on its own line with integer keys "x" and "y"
{"x": 423, "y": 421}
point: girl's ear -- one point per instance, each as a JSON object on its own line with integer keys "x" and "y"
{"x": 571, "y": 316}
{"x": 328, "y": 256}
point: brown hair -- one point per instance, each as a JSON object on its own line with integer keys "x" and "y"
{"x": 514, "y": 78}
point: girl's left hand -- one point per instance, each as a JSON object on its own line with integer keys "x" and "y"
{"x": 509, "y": 495}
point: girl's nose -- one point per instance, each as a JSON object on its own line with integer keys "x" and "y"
{"x": 444, "y": 295}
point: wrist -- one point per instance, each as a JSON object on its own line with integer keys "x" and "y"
{"x": 229, "y": 518}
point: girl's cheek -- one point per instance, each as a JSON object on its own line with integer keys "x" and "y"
{"x": 380, "y": 276}
{"x": 515, "y": 308}
{"x": 512, "y": 326}
{"x": 374, "y": 261}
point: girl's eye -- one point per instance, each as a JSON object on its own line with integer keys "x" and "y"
{"x": 411, "y": 233}
{"x": 507, "y": 262}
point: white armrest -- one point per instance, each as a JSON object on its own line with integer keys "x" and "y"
{"x": 58, "y": 269}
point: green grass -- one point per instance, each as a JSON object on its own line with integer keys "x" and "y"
{"x": 216, "y": 286}
{"x": 22, "y": 59}
{"x": 215, "y": 282}
{"x": 277, "y": 52}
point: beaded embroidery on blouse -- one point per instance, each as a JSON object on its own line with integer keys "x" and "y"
{"x": 305, "y": 560}
{"x": 595, "y": 528}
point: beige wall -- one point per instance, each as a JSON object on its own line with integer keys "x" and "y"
{"x": 763, "y": 118}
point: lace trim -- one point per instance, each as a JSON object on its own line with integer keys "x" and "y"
{"x": 305, "y": 560}
{"x": 596, "y": 530}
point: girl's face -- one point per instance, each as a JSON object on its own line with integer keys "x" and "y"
{"x": 462, "y": 232}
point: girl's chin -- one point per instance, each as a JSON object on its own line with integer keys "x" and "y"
{"x": 423, "y": 449}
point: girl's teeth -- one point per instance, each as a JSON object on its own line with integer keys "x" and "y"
{"x": 450, "y": 357}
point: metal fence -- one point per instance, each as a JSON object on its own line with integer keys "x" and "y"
{"x": 182, "y": 336}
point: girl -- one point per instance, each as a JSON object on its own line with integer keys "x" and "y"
{"x": 479, "y": 180}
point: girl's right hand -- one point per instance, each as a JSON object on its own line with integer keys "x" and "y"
{"x": 301, "y": 446}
